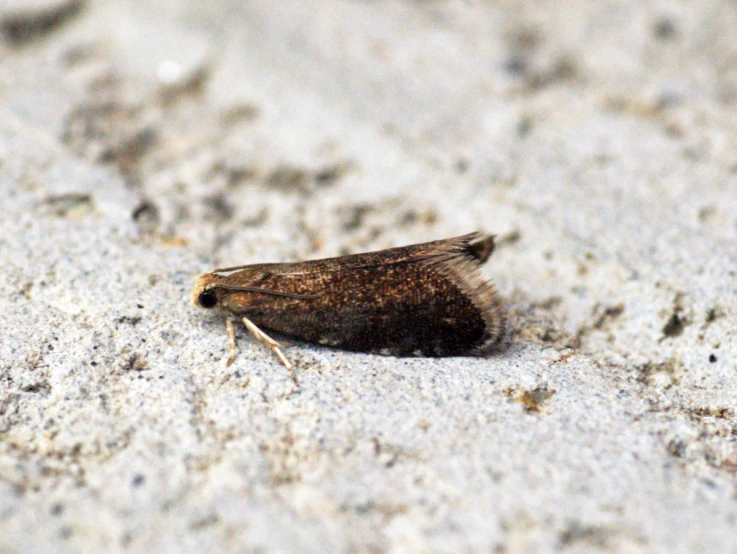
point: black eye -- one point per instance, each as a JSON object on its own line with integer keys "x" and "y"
{"x": 207, "y": 299}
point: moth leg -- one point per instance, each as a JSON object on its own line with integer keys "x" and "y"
{"x": 231, "y": 341}
{"x": 275, "y": 347}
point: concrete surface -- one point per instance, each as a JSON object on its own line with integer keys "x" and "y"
{"x": 144, "y": 143}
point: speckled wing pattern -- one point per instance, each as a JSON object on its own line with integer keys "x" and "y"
{"x": 422, "y": 300}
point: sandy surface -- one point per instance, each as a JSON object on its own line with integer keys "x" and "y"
{"x": 143, "y": 143}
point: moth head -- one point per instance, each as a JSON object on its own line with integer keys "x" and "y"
{"x": 204, "y": 294}
{"x": 246, "y": 291}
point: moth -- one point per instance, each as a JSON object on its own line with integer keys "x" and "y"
{"x": 427, "y": 299}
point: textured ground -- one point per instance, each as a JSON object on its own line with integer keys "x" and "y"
{"x": 143, "y": 143}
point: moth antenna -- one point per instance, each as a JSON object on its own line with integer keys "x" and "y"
{"x": 238, "y": 288}
{"x": 229, "y": 269}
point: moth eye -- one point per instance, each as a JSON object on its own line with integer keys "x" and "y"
{"x": 207, "y": 299}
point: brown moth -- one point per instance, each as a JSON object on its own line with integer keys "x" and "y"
{"x": 426, "y": 299}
